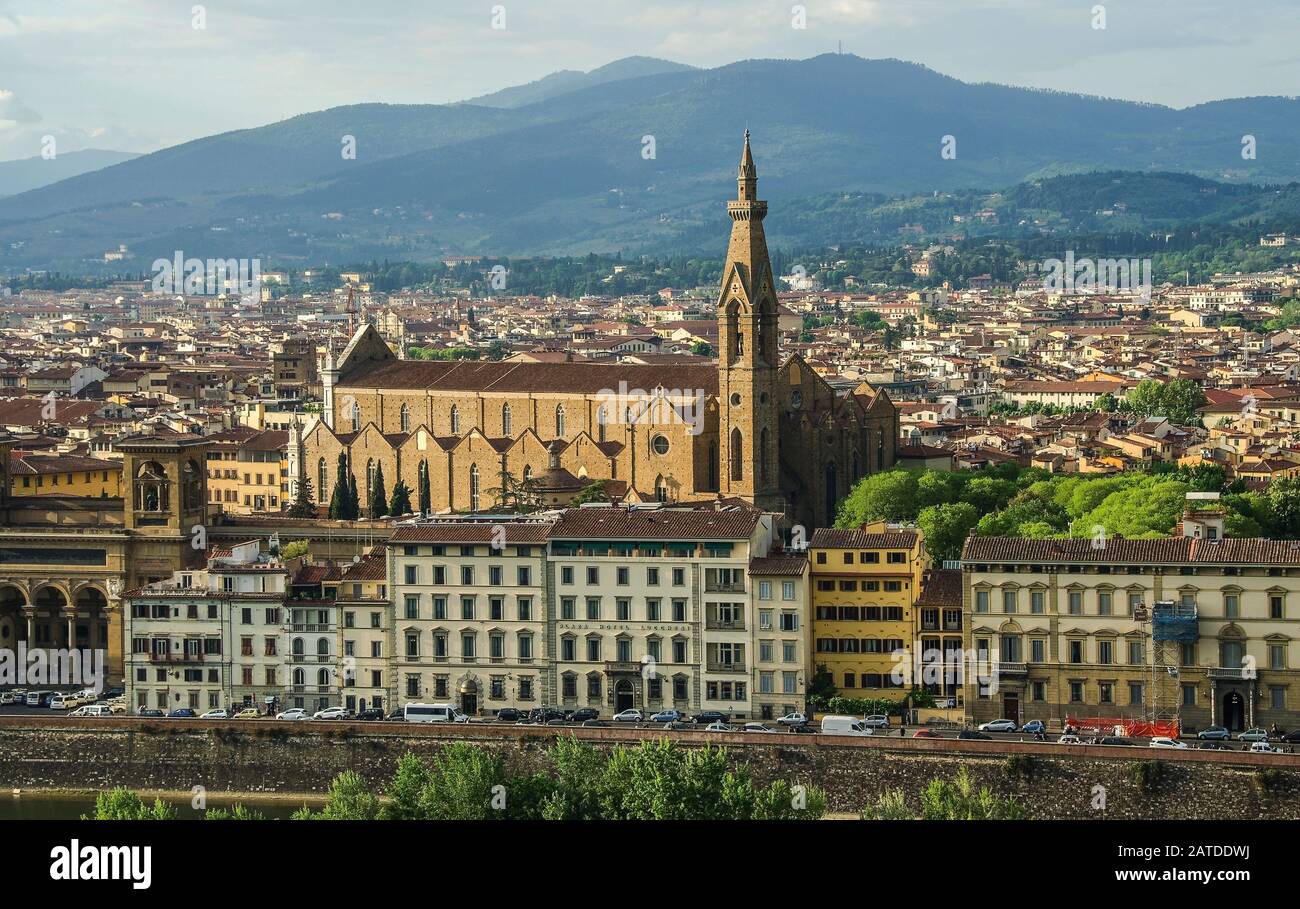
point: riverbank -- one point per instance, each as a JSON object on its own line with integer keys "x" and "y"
{"x": 73, "y": 804}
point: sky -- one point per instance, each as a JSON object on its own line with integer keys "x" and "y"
{"x": 139, "y": 75}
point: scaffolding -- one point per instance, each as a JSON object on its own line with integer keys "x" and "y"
{"x": 1172, "y": 626}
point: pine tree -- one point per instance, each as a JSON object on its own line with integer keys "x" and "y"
{"x": 401, "y": 501}
{"x": 378, "y": 503}
{"x": 426, "y": 499}
{"x": 302, "y": 506}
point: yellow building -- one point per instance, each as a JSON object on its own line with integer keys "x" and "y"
{"x": 64, "y": 475}
{"x": 248, "y": 470}
{"x": 864, "y": 588}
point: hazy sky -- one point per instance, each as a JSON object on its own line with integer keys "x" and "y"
{"x": 136, "y": 75}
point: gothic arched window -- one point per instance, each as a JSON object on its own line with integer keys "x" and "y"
{"x": 506, "y": 421}
{"x": 455, "y": 420}
{"x": 322, "y": 479}
{"x": 559, "y": 421}
{"x": 473, "y": 488}
{"x": 404, "y": 419}
{"x": 737, "y": 456}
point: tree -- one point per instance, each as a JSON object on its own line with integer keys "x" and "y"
{"x": 592, "y": 492}
{"x": 1106, "y": 403}
{"x": 378, "y": 503}
{"x": 339, "y": 500}
{"x": 350, "y": 799}
{"x": 702, "y": 349}
{"x": 303, "y": 506}
{"x": 122, "y": 804}
{"x": 888, "y": 496}
{"x": 401, "y": 501}
{"x": 946, "y": 800}
{"x": 945, "y": 528}
{"x": 293, "y": 549}
{"x": 498, "y": 350}
{"x": 426, "y": 500}
{"x": 353, "y": 503}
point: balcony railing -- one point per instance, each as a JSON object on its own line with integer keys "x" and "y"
{"x": 1005, "y": 668}
{"x": 1230, "y": 673}
{"x": 725, "y": 667}
{"x": 722, "y": 625}
{"x": 719, "y": 587}
{"x": 176, "y": 657}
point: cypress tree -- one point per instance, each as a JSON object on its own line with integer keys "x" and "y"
{"x": 401, "y": 502}
{"x": 378, "y": 503}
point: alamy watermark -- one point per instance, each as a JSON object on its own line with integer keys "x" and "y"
{"x": 1089, "y": 276}
{"x": 660, "y": 407}
{"x": 52, "y": 666}
{"x": 179, "y": 275}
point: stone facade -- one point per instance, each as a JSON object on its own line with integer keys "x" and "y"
{"x": 749, "y": 427}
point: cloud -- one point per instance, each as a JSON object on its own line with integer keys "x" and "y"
{"x": 13, "y": 111}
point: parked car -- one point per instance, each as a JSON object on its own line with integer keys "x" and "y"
{"x": 1114, "y": 740}
{"x": 582, "y": 714}
{"x": 293, "y": 713}
{"x": 711, "y": 716}
{"x": 844, "y": 725}
{"x": 805, "y": 729}
{"x": 117, "y": 705}
{"x": 972, "y": 734}
{"x": 1291, "y": 737}
{"x": 998, "y": 726}
{"x": 248, "y": 713}
{"x": 876, "y": 721}
{"x": 92, "y": 710}
{"x": 629, "y": 716}
{"x": 217, "y": 714}
{"x": 1257, "y": 734}
{"x": 757, "y": 727}
{"x": 792, "y": 719}
{"x": 1069, "y": 740}
{"x": 926, "y": 734}
{"x": 397, "y": 716}
{"x": 666, "y": 716}
{"x": 590, "y": 723}
{"x": 720, "y": 727}
{"x": 1213, "y": 733}
{"x": 1264, "y": 748}
{"x": 370, "y": 713}
{"x": 65, "y": 701}
{"x": 182, "y": 713}
{"x": 8, "y": 697}
{"x": 434, "y": 713}
{"x": 150, "y": 712}
{"x": 1163, "y": 741}
{"x": 331, "y": 713}
{"x": 507, "y": 715}
{"x": 1034, "y": 727}
{"x": 678, "y": 724}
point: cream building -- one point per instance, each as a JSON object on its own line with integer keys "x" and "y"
{"x": 779, "y": 597}
{"x": 469, "y": 617}
{"x": 1067, "y": 625}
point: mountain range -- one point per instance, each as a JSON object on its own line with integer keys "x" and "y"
{"x": 637, "y": 155}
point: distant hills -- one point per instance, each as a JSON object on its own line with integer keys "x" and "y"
{"x": 641, "y": 155}
{"x": 33, "y": 173}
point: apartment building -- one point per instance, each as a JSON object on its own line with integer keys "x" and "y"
{"x": 365, "y": 627}
{"x": 654, "y": 609}
{"x": 1066, "y": 629}
{"x": 779, "y": 596}
{"x": 864, "y": 589}
{"x": 210, "y": 637}
{"x": 312, "y": 663}
{"x": 469, "y": 613}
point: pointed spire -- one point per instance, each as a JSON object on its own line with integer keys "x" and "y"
{"x": 747, "y": 169}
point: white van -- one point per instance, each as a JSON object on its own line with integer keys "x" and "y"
{"x": 92, "y": 710}
{"x": 844, "y": 725}
{"x": 433, "y": 713}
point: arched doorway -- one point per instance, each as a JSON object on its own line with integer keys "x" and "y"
{"x": 1234, "y": 711}
{"x": 13, "y": 624}
{"x": 469, "y": 698}
{"x": 623, "y": 696}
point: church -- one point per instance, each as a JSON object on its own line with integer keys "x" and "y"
{"x": 748, "y": 427}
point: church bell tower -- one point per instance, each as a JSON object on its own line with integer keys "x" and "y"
{"x": 749, "y": 453}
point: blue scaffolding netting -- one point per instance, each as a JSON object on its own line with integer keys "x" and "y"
{"x": 1175, "y": 622}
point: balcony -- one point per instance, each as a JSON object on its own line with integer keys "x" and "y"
{"x": 1011, "y": 669}
{"x": 725, "y": 667}
{"x": 175, "y": 657}
{"x": 720, "y": 587}
{"x": 311, "y": 627}
{"x": 721, "y": 625}
{"x": 1230, "y": 673}
{"x": 613, "y": 666}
